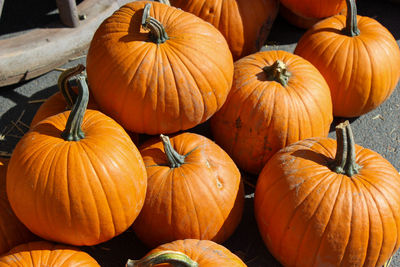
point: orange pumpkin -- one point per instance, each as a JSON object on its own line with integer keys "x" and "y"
{"x": 76, "y": 177}
{"x": 277, "y": 98}
{"x": 12, "y": 231}
{"x": 171, "y": 78}
{"x": 320, "y": 202}
{"x": 42, "y": 253}
{"x": 245, "y": 24}
{"x": 190, "y": 253}
{"x": 358, "y": 57}
{"x": 62, "y": 100}
{"x": 194, "y": 191}
{"x": 314, "y": 8}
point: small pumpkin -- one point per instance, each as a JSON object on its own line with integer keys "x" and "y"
{"x": 62, "y": 100}
{"x": 43, "y": 253}
{"x": 194, "y": 191}
{"x": 277, "y": 98}
{"x": 170, "y": 74}
{"x": 245, "y": 24}
{"x": 189, "y": 253}
{"x": 321, "y": 202}
{"x": 76, "y": 177}
{"x": 12, "y": 231}
{"x": 358, "y": 57}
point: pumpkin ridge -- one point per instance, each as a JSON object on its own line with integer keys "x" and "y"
{"x": 379, "y": 212}
{"x": 308, "y": 225}
{"x": 324, "y": 233}
{"x": 200, "y": 73}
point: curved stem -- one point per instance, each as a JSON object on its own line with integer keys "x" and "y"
{"x": 351, "y": 19}
{"x": 175, "y": 258}
{"x": 174, "y": 158}
{"x": 345, "y": 159}
{"x": 73, "y": 129}
{"x": 157, "y": 30}
{"x": 65, "y": 87}
{"x": 277, "y": 72}
{"x": 166, "y": 2}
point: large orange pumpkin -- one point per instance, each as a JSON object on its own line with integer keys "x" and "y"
{"x": 358, "y": 57}
{"x": 277, "y": 98}
{"x": 245, "y": 24}
{"x": 12, "y": 231}
{"x": 43, "y": 254}
{"x": 171, "y": 78}
{"x": 320, "y": 202}
{"x": 62, "y": 100}
{"x": 76, "y": 177}
{"x": 190, "y": 253}
{"x": 194, "y": 191}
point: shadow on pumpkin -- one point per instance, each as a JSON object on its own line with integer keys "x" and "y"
{"x": 318, "y": 158}
{"x": 135, "y": 30}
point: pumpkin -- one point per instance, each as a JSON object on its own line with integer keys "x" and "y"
{"x": 358, "y": 57}
{"x": 190, "y": 253}
{"x": 170, "y": 78}
{"x": 76, "y": 177}
{"x": 194, "y": 191}
{"x": 62, "y": 100}
{"x": 244, "y": 24}
{"x": 305, "y": 22}
{"x": 320, "y": 202}
{"x": 314, "y": 8}
{"x": 12, "y": 231}
{"x": 277, "y": 98}
{"x": 43, "y": 253}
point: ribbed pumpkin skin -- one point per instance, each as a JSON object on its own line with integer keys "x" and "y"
{"x": 310, "y": 216}
{"x": 53, "y": 105}
{"x": 204, "y": 252}
{"x": 245, "y": 24}
{"x": 78, "y": 192}
{"x": 43, "y": 253}
{"x": 12, "y": 231}
{"x": 315, "y": 8}
{"x": 260, "y": 116}
{"x": 201, "y": 199}
{"x": 361, "y": 71}
{"x": 153, "y": 89}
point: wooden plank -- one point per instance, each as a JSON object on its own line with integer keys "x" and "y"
{"x": 41, "y": 50}
{"x": 68, "y": 12}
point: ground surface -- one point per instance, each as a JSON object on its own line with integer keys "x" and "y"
{"x": 379, "y": 130}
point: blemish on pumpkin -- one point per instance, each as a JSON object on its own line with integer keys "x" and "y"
{"x": 238, "y": 123}
{"x": 219, "y": 185}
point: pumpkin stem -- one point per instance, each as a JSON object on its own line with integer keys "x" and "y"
{"x": 73, "y": 129}
{"x": 65, "y": 87}
{"x": 157, "y": 30}
{"x": 174, "y": 158}
{"x": 175, "y": 258}
{"x": 277, "y": 72}
{"x": 166, "y": 2}
{"x": 345, "y": 159}
{"x": 351, "y": 19}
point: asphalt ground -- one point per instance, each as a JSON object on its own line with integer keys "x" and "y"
{"x": 378, "y": 130}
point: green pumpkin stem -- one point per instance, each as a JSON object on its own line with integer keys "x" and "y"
{"x": 73, "y": 129}
{"x": 65, "y": 87}
{"x": 345, "y": 159}
{"x": 157, "y": 30}
{"x": 278, "y": 72}
{"x": 175, "y": 258}
{"x": 175, "y": 159}
{"x": 351, "y": 28}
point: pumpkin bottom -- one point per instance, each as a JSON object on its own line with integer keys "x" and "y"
{"x": 299, "y": 20}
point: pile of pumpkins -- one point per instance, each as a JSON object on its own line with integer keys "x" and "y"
{"x": 79, "y": 179}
